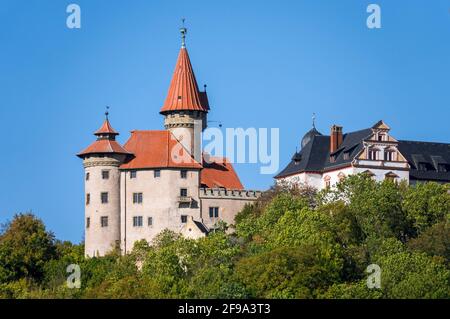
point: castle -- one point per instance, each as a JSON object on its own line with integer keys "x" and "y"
{"x": 159, "y": 179}
{"x": 325, "y": 160}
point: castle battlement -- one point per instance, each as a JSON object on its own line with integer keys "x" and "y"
{"x": 223, "y": 193}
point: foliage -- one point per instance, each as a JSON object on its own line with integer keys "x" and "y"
{"x": 291, "y": 243}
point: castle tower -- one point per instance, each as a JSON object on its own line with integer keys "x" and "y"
{"x": 185, "y": 105}
{"x": 101, "y": 162}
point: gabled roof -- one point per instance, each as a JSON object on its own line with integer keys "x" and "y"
{"x": 157, "y": 149}
{"x": 184, "y": 94}
{"x": 431, "y": 154}
{"x": 315, "y": 155}
{"x": 219, "y": 173}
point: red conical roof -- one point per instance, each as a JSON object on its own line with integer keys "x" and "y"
{"x": 183, "y": 91}
{"x": 106, "y": 129}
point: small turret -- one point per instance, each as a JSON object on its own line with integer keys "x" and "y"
{"x": 101, "y": 162}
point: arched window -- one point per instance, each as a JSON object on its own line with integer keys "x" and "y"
{"x": 341, "y": 176}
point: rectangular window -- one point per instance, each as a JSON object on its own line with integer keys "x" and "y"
{"x": 87, "y": 176}
{"x": 104, "y": 198}
{"x": 183, "y": 174}
{"x": 442, "y": 168}
{"x": 422, "y": 167}
{"x": 133, "y": 174}
{"x": 214, "y": 212}
{"x": 138, "y": 198}
{"x": 184, "y": 219}
{"x": 105, "y": 174}
{"x": 157, "y": 173}
{"x": 104, "y": 221}
{"x": 88, "y": 199}
{"x": 137, "y": 221}
{"x": 346, "y": 155}
{"x": 150, "y": 221}
{"x": 183, "y": 192}
{"x": 88, "y": 222}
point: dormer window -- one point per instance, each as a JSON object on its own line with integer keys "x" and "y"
{"x": 332, "y": 158}
{"x": 442, "y": 168}
{"x": 422, "y": 167}
{"x": 346, "y": 155}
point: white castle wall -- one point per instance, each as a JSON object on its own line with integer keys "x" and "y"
{"x": 160, "y": 201}
{"x": 101, "y": 240}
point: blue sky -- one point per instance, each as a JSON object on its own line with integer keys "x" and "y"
{"x": 266, "y": 63}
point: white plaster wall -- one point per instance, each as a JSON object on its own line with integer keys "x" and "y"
{"x": 101, "y": 240}
{"x": 160, "y": 201}
{"x": 228, "y": 209}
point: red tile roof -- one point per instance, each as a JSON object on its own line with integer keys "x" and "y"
{"x": 183, "y": 91}
{"x": 153, "y": 149}
{"x": 106, "y": 129}
{"x": 103, "y": 147}
{"x": 219, "y": 173}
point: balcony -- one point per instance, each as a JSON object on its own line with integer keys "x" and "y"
{"x": 184, "y": 199}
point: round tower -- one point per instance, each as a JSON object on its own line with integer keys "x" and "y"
{"x": 185, "y": 108}
{"x": 101, "y": 161}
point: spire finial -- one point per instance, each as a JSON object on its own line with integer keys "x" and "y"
{"x": 314, "y": 120}
{"x": 183, "y": 31}
{"x": 107, "y": 112}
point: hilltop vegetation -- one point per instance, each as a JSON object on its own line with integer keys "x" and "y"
{"x": 292, "y": 243}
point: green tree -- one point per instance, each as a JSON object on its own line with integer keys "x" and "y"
{"x": 25, "y": 247}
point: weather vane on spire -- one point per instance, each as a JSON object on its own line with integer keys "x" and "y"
{"x": 107, "y": 112}
{"x": 183, "y": 31}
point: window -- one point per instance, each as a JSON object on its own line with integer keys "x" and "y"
{"x": 373, "y": 154}
{"x": 105, "y": 174}
{"x": 104, "y": 198}
{"x": 183, "y": 192}
{"x": 422, "y": 167}
{"x": 389, "y": 156}
{"x": 133, "y": 174}
{"x": 104, "y": 221}
{"x": 183, "y": 174}
{"x": 157, "y": 173}
{"x": 137, "y": 198}
{"x": 327, "y": 180}
{"x": 88, "y": 199}
{"x": 150, "y": 221}
{"x": 184, "y": 219}
{"x": 442, "y": 168}
{"x": 332, "y": 158}
{"x": 346, "y": 155}
{"x": 88, "y": 222}
{"x": 380, "y": 137}
{"x": 137, "y": 221}
{"x": 87, "y": 176}
{"x": 213, "y": 212}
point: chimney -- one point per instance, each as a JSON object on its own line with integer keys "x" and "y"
{"x": 335, "y": 138}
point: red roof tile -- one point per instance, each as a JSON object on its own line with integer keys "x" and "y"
{"x": 106, "y": 129}
{"x": 102, "y": 147}
{"x": 153, "y": 149}
{"x": 183, "y": 91}
{"x": 219, "y": 173}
